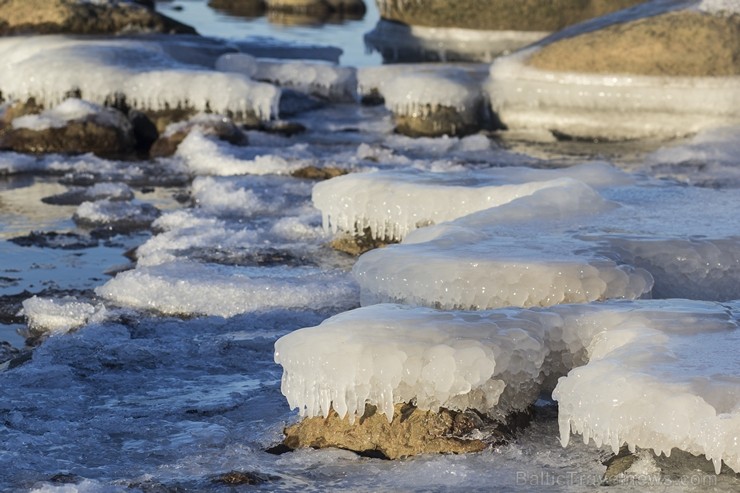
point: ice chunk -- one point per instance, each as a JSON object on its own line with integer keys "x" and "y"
{"x": 144, "y": 72}
{"x": 659, "y": 385}
{"x": 393, "y": 203}
{"x": 488, "y": 259}
{"x": 60, "y": 316}
{"x": 188, "y": 288}
{"x": 386, "y": 354}
{"x": 419, "y": 93}
{"x": 116, "y": 214}
{"x": 320, "y": 79}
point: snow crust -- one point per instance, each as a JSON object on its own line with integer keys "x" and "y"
{"x": 48, "y": 67}
{"x": 58, "y": 316}
{"x": 394, "y": 203}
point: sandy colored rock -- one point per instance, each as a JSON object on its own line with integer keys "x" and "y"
{"x": 498, "y": 15}
{"x": 684, "y": 43}
{"x": 437, "y": 121}
{"x": 316, "y": 173}
{"x": 411, "y": 432}
{"x": 74, "y": 17}
{"x": 358, "y": 244}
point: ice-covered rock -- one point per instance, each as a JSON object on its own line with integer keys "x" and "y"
{"x": 435, "y": 104}
{"x": 214, "y": 125}
{"x": 84, "y": 17}
{"x": 639, "y": 74}
{"x": 151, "y": 74}
{"x": 649, "y": 373}
{"x": 189, "y": 288}
{"x": 57, "y": 316}
{"x": 327, "y": 81}
{"x": 661, "y": 383}
{"x": 74, "y": 126}
{"x": 393, "y": 203}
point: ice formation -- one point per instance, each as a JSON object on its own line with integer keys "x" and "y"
{"x": 393, "y": 203}
{"x": 184, "y": 287}
{"x": 115, "y": 213}
{"x": 420, "y": 93}
{"x": 144, "y": 72}
{"x": 720, "y": 6}
{"x": 659, "y": 384}
{"x": 320, "y": 79}
{"x": 399, "y": 42}
{"x": 60, "y": 316}
{"x": 609, "y": 106}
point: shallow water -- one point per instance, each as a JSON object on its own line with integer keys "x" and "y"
{"x": 169, "y": 395}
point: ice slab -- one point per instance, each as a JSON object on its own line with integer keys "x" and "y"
{"x": 394, "y": 203}
{"x": 185, "y": 287}
{"x": 488, "y": 259}
{"x": 61, "y": 315}
{"x": 660, "y": 384}
{"x": 144, "y": 72}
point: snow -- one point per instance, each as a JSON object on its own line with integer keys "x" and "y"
{"x": 393, "y": 203}
{"x": 726, "y": 7}
{"x": 48, "y": 67}
{"x": 187, "y": 288}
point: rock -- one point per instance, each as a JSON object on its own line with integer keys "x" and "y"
{"x": 498, "y": 15}
{"x": 683, "y": 43}
{"x": 312, "y": 12}
{"x": 315, "y": 173}
{"x": 73, "y": 127}
{"x": 435, "y": 121}
{"x": 18, "y": 109}
{"x": 356, "y": 245}
{"x": 83, "y": 17}
{"x": 240, "y": 8}
{"x": 222, "y": 128}
{"x": 145, "y": 131}
{"x": 411, "y": 432}
{"x": 236, "y": 478}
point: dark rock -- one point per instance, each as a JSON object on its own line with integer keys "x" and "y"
{"x": 52, "y": 239}
{"x": 145, "y": 131}
{"x": 240, "y": 8}
{"x": 282, "y": 127}
{"x": 237, "y": 478}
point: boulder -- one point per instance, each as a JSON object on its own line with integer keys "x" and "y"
{"x": 498, "y": 15}
{"x": 83, "y": 17}
{"x": 682, "y": 43}
{"x": 411, "y": 432}
{"x": 312, "y": 12}
{"x": 239, "y": 8}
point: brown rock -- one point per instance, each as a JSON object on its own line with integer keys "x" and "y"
{"x": 499, "y": 15}
{"x": 72, "y": 17}
{"x": 315, "y": 173}
{"x": 28, "y": 107}
{"x": 683, "y": 43}
{"x": 435, "y": 121}
{"x": 358, "y": 244}
{"x": 240, "y": 8}
{"x": 411, "y": 432}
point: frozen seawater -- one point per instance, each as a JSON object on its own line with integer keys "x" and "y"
{"x": 393, "y": 203}
{"x": 60, "y": 316}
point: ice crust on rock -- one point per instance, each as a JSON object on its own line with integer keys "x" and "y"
{"x": 58, "y": 316}
{"x": 184, "y": 287}
{"x": 647, "y": 373}
{"x": 394, "y": 203}
{"x": 659, "y": 384}
{"x": 320, "y": 79}
{"x": 70, "y": 109}
{"x": 608, "y": 106}
{"x": 144, "y": 72}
